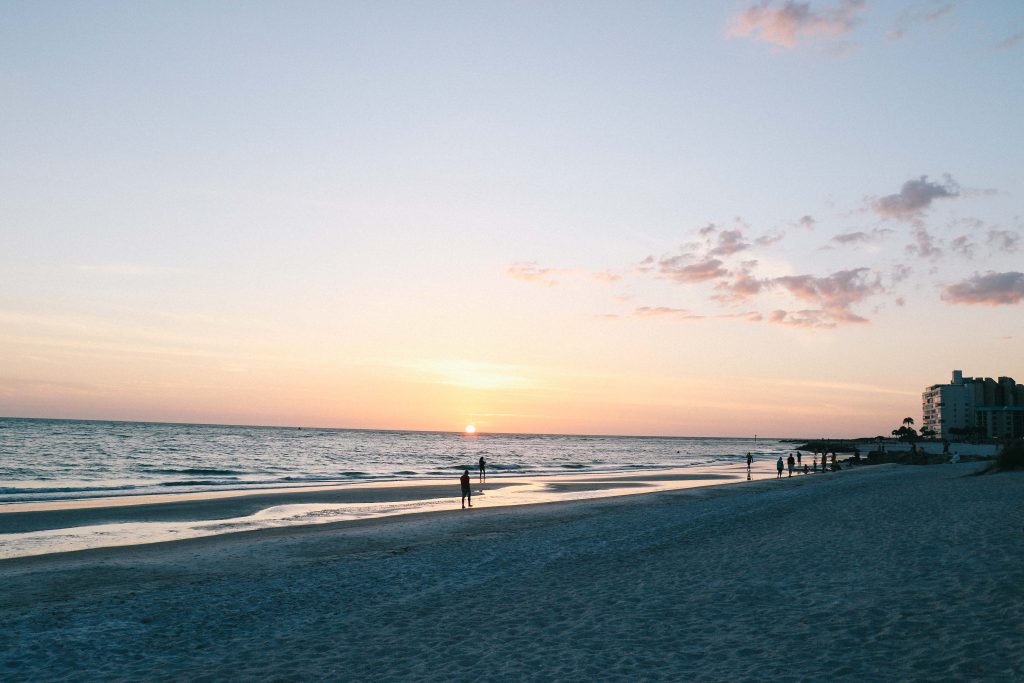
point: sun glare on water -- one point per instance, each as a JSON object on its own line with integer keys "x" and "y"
{"x": 470, "y": 429}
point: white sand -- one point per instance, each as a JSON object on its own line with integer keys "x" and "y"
{"x": 883, "y": 573}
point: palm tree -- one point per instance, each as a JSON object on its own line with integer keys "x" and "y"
{"x": 908, "y": 421}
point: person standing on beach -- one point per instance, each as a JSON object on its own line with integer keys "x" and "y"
{"x": 750, "y": 460}
{"x": 466, "y": 491}
{"x": 483, "y": 473}
{"x": 799, "y": 460}
{"x": 790, "y": 461}
{"x": 779, "y": 466}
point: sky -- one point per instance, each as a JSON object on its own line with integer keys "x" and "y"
{"x": 663, "y": 218}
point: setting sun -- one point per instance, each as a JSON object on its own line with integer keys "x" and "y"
{"x": 470, "y": 429}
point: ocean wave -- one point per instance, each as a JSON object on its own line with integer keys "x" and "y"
{"x": 194, "y": 470}
{"x": 15, "y": 490}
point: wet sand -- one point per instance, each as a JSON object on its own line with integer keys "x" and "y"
{"x": 55, "y": 526}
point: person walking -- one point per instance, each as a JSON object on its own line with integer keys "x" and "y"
{"x": 790, "y": 461}
{"x": 467, "y": 493}
{"x": 750, "y": 460}
{"x": 483, "y": 472}
{"x": 779, "y": 466}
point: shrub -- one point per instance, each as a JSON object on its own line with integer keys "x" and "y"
{"x": 1011, "y": 457}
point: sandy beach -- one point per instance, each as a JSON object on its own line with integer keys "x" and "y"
{"x": 881, "y": 573}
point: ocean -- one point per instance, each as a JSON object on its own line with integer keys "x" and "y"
{"x": 44, "y": 459}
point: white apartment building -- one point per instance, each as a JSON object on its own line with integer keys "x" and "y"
{"x": 992, "y": 408}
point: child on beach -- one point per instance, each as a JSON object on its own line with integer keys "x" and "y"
{"x": 466, "y": 491}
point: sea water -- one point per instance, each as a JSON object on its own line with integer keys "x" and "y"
{"x": 62, "y": 459}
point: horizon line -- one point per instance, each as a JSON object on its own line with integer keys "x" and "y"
{"x": 755, "y": 437}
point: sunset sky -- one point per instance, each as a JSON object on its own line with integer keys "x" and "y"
{"x": 678, "y": 218}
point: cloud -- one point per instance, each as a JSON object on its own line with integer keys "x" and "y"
{"x": 857, "y": 238}
{"x": 770, "y": 238}
{"x": 991, "y": 289}
{"x": 729, "y": 242}
{"x": 835, "y": 293}
{"x": 900, "y": 272}
{"x": 679, "y": 268}
{"x": 530, "y": 271}
{"x": 662, "y": 311}
{"x": 911, "y": 18}
{"x": 806, "y": 221}
{"x": 742, "y": 288}
{"x": 914, "y": 197}
{"x": 925, "y": 244}
{"x": 963, "y": 246}
{"x": 1003, "y": 240}
{"x": 684, "y": 314}
{"x": 1011, "y": 42}
{"x": 645, "y": 266}
{"x": 806, "y": 318}
{"x": 784, "y": 25}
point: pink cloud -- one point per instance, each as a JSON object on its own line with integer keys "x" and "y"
{"x": 742, "y": 288}
{"x": 530, "y": 271}
{"x": 835, "y": 293}
{"x": 784, "y": 25}
{"x": 729, "y": 242}
{"x": 805, "y": 318}
{"x": 990, "y": 289}
{"x": 679, "y": 268}
{"x": 662, "y": 311}
{"x": 684, "y": 314}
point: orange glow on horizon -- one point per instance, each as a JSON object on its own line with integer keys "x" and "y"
{"x": 470, "y": 429}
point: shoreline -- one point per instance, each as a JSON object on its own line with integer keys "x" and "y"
{"x": 898, "y": 572}
{"x": 76, "y": 525}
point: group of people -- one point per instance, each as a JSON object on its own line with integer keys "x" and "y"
{"x": 795, "y": 462}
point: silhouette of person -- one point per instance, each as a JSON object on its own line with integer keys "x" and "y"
{"x": 798, "y": 458}
{"x": 483, "y": 472}
{"x": 790, "y": 461}
{"x": 750, "y": 459}
{"x": 466, "y": 491}
{"x": 779, "y": 466}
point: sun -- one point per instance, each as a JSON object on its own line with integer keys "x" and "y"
{"x": 470, "y": 429}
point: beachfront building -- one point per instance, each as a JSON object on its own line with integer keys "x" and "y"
{"x": 974, "y": 406}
